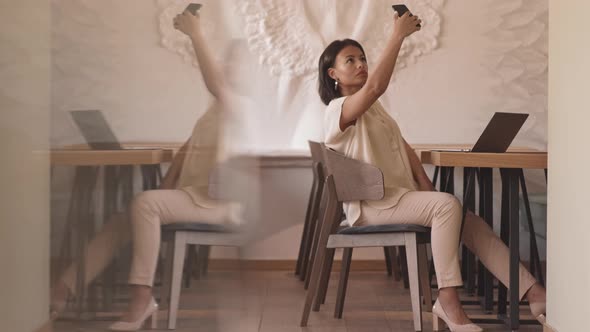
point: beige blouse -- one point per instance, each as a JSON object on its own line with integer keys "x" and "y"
{"x": 375, "y": 139}
{"x": 202, "y": 156}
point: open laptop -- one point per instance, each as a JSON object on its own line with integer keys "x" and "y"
{"x": 498, "y": 134}
{"x": 98, "y": 134}
{"x": 96, "y": 130}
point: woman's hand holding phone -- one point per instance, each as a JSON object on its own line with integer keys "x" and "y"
{"x": 405, "y": 25}
{"x": 187, "y": 22}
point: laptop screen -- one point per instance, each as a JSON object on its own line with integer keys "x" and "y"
{"x": 96, "y": 130}
{"x": 500, "y": 132}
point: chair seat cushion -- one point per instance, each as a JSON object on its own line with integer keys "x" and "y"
{"x": 390, "y": 228}
{"x": 196, "y": 227}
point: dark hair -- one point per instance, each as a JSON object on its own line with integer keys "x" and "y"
{"x": 327, "y": 59}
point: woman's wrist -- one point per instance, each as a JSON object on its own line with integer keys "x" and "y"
{"x": 397, "y": 37}
{"x": 195, "y": 35}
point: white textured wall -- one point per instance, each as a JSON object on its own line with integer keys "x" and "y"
{"x": 471, "y": 59}
{"x": 108, "y": 55}
{"x": 24, "y": 171}
{"x": 568, "y": 269}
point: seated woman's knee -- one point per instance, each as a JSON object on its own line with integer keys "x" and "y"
{"x": 450, "y": 203}
{"x": 144, "y": 201}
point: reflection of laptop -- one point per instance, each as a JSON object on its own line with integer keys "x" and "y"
{"x": 96, "y": 130}
{"x": 498, "y": 134}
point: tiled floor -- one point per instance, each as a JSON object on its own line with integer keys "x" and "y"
{"x": 272, "y": 301}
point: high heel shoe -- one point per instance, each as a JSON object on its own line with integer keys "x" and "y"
{"x": 440, "y": 319}
{"x": 55, "y": 309}
{"x": 59, "y": 299}
{"x": 151, "y": 310}
{"x": 538, "y": 309}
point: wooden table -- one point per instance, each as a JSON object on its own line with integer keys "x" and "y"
{"x": 424, "y": 150}
{"x": 511, "y": 165}
{"x": 117, "y": 168}
{"x": 72, "y": 157}
{"x": 165, "y": 151}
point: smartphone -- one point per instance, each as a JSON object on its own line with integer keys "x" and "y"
{"x": 401, "y": 10}
{"x": 193, "y": 8}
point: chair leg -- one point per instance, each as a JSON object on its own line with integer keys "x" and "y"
{"x": 167, "y": 279}
{"x": 302, "y": 247}
{"x": 325, "y": 279}
{"x": 329, "y": 265}
{"x": 314, "y": 238}
{"x": 388, "y": 266}
{"x": 305, "y": 264}
{"x": 395, "y": 264}
{"x": 300, "y": 266}
{"x": 404, "y": 266}
{"x": 203, "y": 259}
{"x": 413, "y": 273}
{"x": 344, "y": 272}
{"x": 312, "y": 257}
{"x": 424, "y": 277}
{"x": 330, "y": 213}
{"x": 302, "y": 242}
{"x": 179, "y": 254}
{"x": 190, "y": 262}
{"x": 314, "y": 281}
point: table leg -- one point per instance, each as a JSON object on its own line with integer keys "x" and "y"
{"x": 84, "y": 183}
{"x": 486, "y": 211}
{"x": 110, "y": 199}
{"x": 502, "y": 291}
{"x": 535, "y": 259}
{"x": 435, "y": 176}
{"x": 468, "y": 204}
{"x": 126, "y": 183}
{"x": 447, "y": 180}
{"x": 151, "y": 175}
{"x": 510, "y": 207}
{"x": 144, "y": 178}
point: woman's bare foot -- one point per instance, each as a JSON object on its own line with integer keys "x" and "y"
{"x": 450, "y": 303}
{"x": 140, "y": 299}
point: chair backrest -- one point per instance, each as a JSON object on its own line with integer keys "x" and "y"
{"x": 331, "y": 212}
{"x": 317, "y": 155}
{"x": 353, "y": 180}
{"x": 319, "y": 166}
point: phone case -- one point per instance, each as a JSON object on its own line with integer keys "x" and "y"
{"x": 193, "y": 8}
{"x": 401, "y": 10}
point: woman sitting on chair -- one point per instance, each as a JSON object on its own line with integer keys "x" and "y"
{"x": 182, "y": 197}
{"x": 357, "y": 125}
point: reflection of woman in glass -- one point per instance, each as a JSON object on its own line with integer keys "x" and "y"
{"x": 182, "y": 197}
{"x": 357, "y": 125}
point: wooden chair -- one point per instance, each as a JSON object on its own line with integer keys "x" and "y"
{"x": 352, "y": 180}
{"x": 200, "y": 234}
{"x": 395, "y": 265}
{"x": 179, "y": 236}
